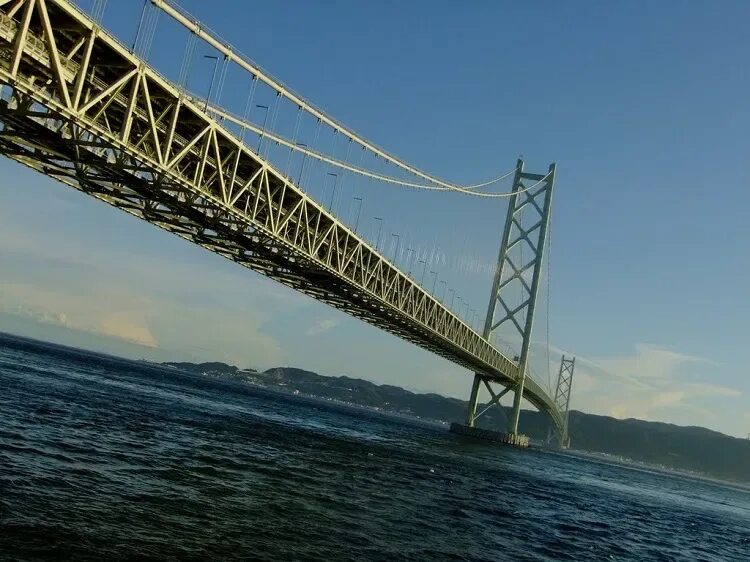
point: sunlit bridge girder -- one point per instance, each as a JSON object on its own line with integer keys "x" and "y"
{"x": 77, "y": 106}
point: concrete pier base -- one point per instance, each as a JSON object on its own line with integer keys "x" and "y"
{"x": 513, "y": 439}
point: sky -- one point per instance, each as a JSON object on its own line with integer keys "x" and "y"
{"x": 642, "y": 105}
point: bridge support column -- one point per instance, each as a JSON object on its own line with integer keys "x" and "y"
{"x": 472, "y": 413}
{"x": 513, "y": 295}
{"x": 516, "y": 415}
{"x": 562, "y": 397}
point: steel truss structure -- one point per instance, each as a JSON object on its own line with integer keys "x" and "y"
{"x": 78, "y": 106}
{"x": 525, "y": 228}
{"x": 562, "y": 396}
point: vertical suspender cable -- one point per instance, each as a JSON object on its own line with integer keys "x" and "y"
{"x": 324, "y": 172}
{"x": 187, "y": 58}
{"x": 97, "y": 12}
{"x": 272, "y": 127}
{"x": 140, "y": 26}
{"x": 549, "y": 275}
{"x": 248, "y": 106}
{"x": 149, "y": 37}
{"x": 222, "y": 79}
{"x": 310, "y": 173}
{"x": 294, "y": 140}
{"x": 343, "y": 174}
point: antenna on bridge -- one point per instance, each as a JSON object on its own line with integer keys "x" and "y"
{"x": 525, "y": 229}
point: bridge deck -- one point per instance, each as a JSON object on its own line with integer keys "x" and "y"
{"x": 79, "y": 107}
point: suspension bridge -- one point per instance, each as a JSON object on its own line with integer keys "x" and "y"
{"x": 80, "y": 106}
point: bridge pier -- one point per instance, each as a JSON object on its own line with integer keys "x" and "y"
{"x": 470, "y": 429}
{"x": 514, "y": 439}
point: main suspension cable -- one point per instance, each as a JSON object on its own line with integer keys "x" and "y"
{"x": 264, "y": 133}
{"x": 180, "y": 15}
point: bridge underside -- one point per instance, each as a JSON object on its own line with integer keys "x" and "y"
{"x": 104, "y": 124}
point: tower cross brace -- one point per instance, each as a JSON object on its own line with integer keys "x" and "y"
{"x": 513, "y": 294}
{"x": 562, "y": 395}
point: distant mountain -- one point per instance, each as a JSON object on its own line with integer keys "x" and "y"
{"x": 694, "y": 449}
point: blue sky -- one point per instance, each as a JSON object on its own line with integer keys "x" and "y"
{"x": 642, "y": 104}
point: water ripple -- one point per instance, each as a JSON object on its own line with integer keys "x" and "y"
{"x": 103, "y": 458}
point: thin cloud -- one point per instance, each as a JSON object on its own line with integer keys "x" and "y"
{"x": 127, "y": 329}
{"x": 650, "y": 384}
{"x": 322, "y": 326}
